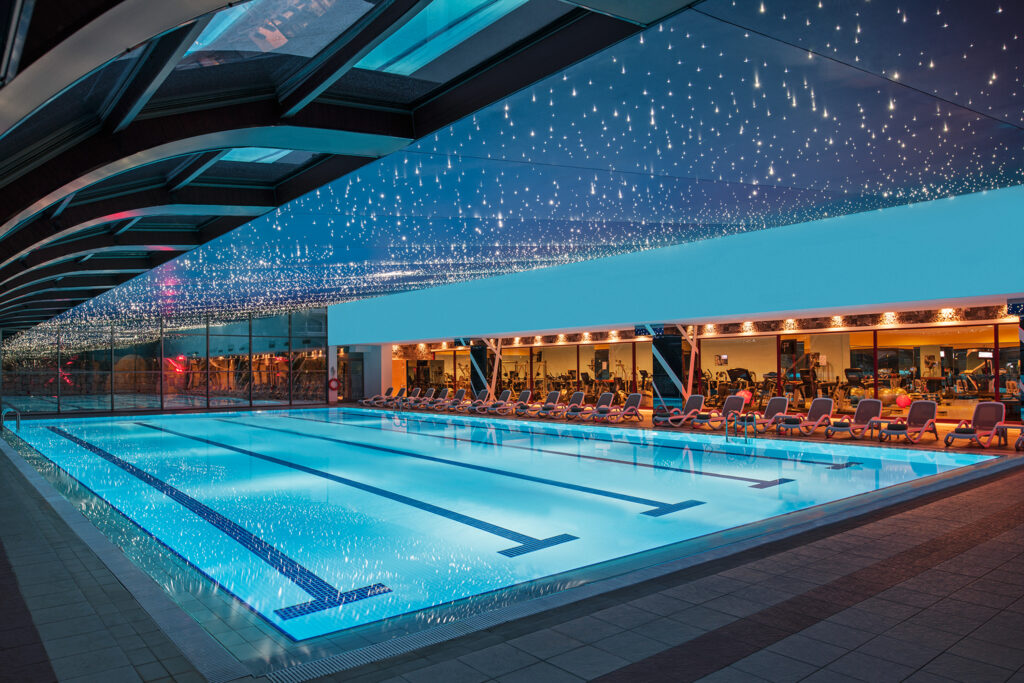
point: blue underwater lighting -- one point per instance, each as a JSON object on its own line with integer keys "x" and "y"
{"x": 729, "y": 117}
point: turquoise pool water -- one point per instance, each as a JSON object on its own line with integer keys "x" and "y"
{"x": 324, "y": 519}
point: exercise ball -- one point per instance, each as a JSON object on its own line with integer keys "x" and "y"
{"x": 903, "y": 401}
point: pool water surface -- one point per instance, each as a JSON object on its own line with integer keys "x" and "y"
{"x": 321, "y": 520}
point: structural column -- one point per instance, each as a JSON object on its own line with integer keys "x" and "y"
{"x": 478, "y": 376}
{"x": 667, "y": 352}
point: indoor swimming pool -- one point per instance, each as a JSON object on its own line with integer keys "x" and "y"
{"x": 320, "y": 520}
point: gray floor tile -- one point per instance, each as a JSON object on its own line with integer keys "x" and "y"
{"x": 541, "y": 672}
{"x": 451, "y": 671}
{"x": 545, "y": 643}
{"x": 498, "y": 660}
{"x": 775, "y": 667}
{"x": 630, "y": 645}
{"x": 872, "y": 669}
{"x": 588, "y": 662}
{"x": 966, "y": 670}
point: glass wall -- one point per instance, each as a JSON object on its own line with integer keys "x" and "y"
{"x": 1009, "y": 370}
{"x": 171, "y": 364}
{"x": 952, "y": 365}
{"x": 554, "y": 369}
{"x": 515, "y": 369}
{"x": 730, "y": 365}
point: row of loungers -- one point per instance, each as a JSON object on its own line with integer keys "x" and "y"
{"x": 988, "y": 423}
{"x": 550, "y": 407}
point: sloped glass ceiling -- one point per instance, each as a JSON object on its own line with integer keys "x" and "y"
{"x": 736, "y": 115}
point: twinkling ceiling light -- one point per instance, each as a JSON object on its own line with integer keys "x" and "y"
{"x": 696, "y": 129}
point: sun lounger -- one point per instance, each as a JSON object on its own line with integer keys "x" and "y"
{"x": 413, "y": 396}
{"x": 630, "y": 410}
{"x": 920, "y": 420}
{"x": 575, "y": 405}
{"x": 761, "y": 422}
{"x": 425, "y": 398}
{"x": 372, "y": 401}
{"x": 493, "y": 406}
{"x": 520, "y": 404}
{"x": 394, "y": 400}
{"x": 470, "y": 406}
{"x": 986, "y": 425}
{"x": 719, "y": 419}
{"x": 819, "y": 414}
{"x": 692, "y": 408}
{"x": 549, "y": 404}
{"x": 453, "y": 403}
{"x": 440, "y": 399}
{"x": 602, "y": 409}
{"x": 868, "y": 411}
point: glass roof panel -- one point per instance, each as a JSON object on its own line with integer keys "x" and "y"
{"x": 265, "y": 27}
{"x": 437, "y": 28}
{"x": 431, "y": 50}
{"x": 255, "y": 155}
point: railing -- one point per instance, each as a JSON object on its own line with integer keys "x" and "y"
{"x": 4, "y": 409}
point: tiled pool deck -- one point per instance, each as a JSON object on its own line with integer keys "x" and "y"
{"x": 864, "y": 600}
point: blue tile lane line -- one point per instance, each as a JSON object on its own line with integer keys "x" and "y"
{"x": 756, "y": 483}
{"x": 658, "y": 508}
{"x": 527, "y": 544}
{"x": 593, "y": 437}
{"x": 325, "y": 596}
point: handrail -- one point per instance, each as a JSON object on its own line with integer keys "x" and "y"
{"x": 3, "y": 415}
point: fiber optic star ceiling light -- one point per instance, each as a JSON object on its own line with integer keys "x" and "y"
{"x": 731, "y": 116}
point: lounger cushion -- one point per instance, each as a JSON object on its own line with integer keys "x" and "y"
{"x": 703, "y": 416}
{"x": 896, "y": 427}
{"x": 746, "y": 418}
{"x": 964, "y": 430}
{"x": 790, "y": 420}
{"x": 842, "y": 425}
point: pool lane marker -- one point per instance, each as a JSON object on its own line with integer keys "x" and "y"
{"x": 325, "y": 596}
{"x": 658, "y": 508}
{"x": 527, "y": 544}
{"x": 757, "y": 483}
{"x": 590, "y": 437}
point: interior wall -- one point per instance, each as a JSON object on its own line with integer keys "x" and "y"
{"x": 850, "y": 279}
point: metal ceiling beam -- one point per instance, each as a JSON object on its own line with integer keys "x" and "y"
{"x": 175, "y": 242}
{"x": 323, "y": 128}
{"x": 151, "y": 69}
{"x": 95, "y": 284}
{"x": 17, "y": 29}
{"x": 317, "y": 175}
{"x": 76, "y": 266}
{"x": 576, "y": 36}
{"x": 344, "y": 52}
{"x": 190, "y": 201}
{"x": 641, "y": 13}
{"x": 193, "y": 168}
{"x": 128, "y": 24}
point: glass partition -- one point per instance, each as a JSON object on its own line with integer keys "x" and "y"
{"x": 951, "y": 365}
{"x": 515, "y": 369}
{"x": 645, "y": 372}
{"x": 1009, "y": 361}
{"x": 154, "y": 364}
{"x": 554, "y": 369}
{"x": 735, "y": 364}
{"x": 463, "y": 368}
